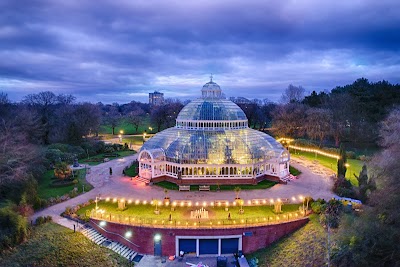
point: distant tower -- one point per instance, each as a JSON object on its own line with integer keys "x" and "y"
{"x": 156, "y": 98}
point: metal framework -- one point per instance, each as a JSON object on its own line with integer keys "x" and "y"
{"x": 212, "y": 140}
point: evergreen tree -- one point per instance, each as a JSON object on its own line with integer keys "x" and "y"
{"x": 365, "y": 184}
{"x": 341, "y": 165}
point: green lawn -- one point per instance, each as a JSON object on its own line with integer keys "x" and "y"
{"x": 355, "y": 165}
{"x": 294, "y": 171}
{"x": 128, "y": 128}
{"x": 131, "y": 171}
{"x": 99, "y": 158}
{"x": 146, "y": 212}
{"x": 261, "y": 185}
{"x": 45, "y": 191}
{"x": 305, "y": 247}
{"x": 53, "y": 245}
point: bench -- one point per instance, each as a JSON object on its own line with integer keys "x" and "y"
{"x": 184, "y": 188}
{"x": 204, "y": 188}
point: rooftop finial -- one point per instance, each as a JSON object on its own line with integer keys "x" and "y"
{"x": 211, "y": 77}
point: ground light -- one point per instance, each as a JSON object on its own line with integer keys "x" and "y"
{"x": 157, "y": 237}
{"x": 103, "y": 223}
{"x": 128, "y": 234}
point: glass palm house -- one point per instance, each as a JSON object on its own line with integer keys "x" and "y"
{"x": 211, "y": 143}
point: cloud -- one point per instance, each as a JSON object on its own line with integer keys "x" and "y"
{"x": 120, "y": 50}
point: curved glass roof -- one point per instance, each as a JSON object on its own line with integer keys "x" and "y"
{"x": 244, "y": 146}
{"x": 211, "y": 109}
{"x": 213, "y": 130}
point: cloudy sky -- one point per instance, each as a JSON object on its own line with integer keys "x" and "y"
{"x": 118, "y": 51}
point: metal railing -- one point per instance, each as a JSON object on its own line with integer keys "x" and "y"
{"x": 112, "y": 233}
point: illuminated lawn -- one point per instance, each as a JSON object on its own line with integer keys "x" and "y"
{"x": 146, "y": 212}
{"x": 331, "y": 163}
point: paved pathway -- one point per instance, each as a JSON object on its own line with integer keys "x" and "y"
{"x": 314, "y": 181}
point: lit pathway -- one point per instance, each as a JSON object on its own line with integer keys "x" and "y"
{"x": 317, "y": 185}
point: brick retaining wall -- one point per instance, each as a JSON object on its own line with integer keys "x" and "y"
{"x": 261, "y": 237}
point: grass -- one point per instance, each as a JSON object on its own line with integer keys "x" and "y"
{"x": 261, "y": 185}
{"x": 99, "y": 158}
{"x": 131, "y": 171}
{"x": 128, "y": 128}
{"x": 355, "y": 165}
{"x": 143, "y": 211}
{"x": 305, "y": 247}
{"x": 294, "y": 171}
{"x": 54, "y": 245}
{"x": 45, "y": 191}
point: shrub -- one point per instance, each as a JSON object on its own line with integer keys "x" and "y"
{"x": 109, "y": 149}
{"x": 13, "y": 228}
{"x": 317, "y": 207}
{"x": 41, "y": 220}
{"x": 350, "y": 154}
{"x": 68, "y": 210}
{"x": 362, "y": 157}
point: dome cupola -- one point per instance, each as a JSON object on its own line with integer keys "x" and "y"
{"x": 211, "y": 90}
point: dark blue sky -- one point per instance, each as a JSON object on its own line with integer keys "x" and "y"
{"x": 118, "y": 51}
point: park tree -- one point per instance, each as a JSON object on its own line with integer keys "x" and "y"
{"x": 135, "y": 117}
{"x": 288, "y": 120}
{"x": 293, "y": 94}
{"x": 43, "y": 103}
{"x": 318, "y": 123}
{"x": 342, "y": 161}
{"x": 365, "y": 184}
{"x": 112, "y": 117}
{"x": 252, "y": 111}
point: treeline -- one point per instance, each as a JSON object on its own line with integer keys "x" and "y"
{"x": 345, "y": 114}
{"x": 162, "y": 116}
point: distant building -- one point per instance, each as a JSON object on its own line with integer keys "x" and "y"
{"x": 156, "y": 98}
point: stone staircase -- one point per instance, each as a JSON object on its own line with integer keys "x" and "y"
{"x": 117, "y": 247}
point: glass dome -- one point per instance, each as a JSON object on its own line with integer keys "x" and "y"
{"x": 212, "y": 109}
{"x": 244, "y": 146}
{"x": 212, "y": 141}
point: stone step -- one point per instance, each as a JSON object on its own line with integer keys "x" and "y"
{"x": 117, "y": 247}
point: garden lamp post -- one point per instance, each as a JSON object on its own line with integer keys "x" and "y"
{"x": 97, "y": 197}
{"x": 302, "y": 200}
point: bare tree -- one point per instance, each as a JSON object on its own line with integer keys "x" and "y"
{"x": 293, "y": 94}
{"x": 289, "y": 120}
{"x": 136, "y": 117}
{"x": 112, "y": 117}
{"x": 318, "y": 123}
{"x": 43, "y": 103}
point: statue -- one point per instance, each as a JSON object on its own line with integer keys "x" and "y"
{"x": 76, "y": 163}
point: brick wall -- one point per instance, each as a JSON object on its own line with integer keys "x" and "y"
{"x": 221, "y": 181}
{"x": 262, "y": 236}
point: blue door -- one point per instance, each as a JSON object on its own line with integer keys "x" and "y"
{"x": 229, "y": 245}
{"x": 187, "y": 245}
{"x": 157, "y": 247}
{"x": 208, "y": 246}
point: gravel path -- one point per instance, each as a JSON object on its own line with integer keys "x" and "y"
{"x": 314, "y": 181}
